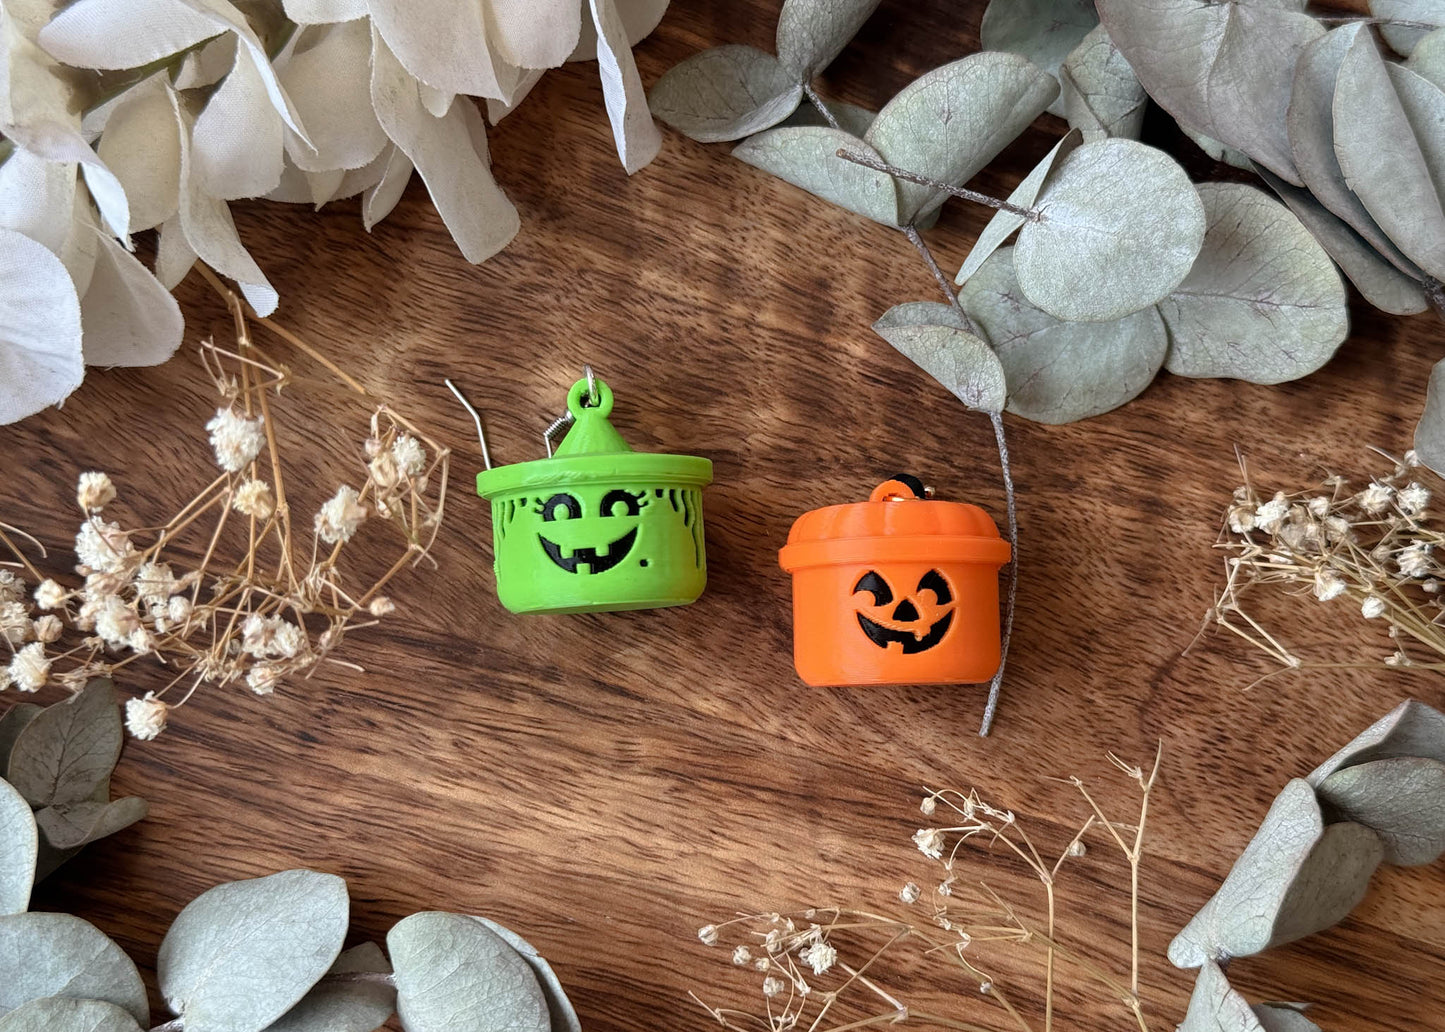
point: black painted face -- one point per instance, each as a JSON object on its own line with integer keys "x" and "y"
{"x": 915, "y": 623}
{"x": 616, "y": 507}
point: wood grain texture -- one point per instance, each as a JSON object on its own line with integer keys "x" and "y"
{"x": 606, "y": 784}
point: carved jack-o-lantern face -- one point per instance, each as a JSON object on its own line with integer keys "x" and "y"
{"x": 915, "y": 620}
{"x": 616, "y": 507}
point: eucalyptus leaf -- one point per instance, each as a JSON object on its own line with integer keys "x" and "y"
{"x": 60, "y": 955}
{"x": 1430, "y": 431}
{"x": 19, "y": 844}
{"x": 1099, "y": 93}
{"x": 48, "y": 859}
{"x": 953, "y": 356}
{"x": 15, "y": 720}
{"x": 813, "y": 32}
{"x": 807, "y": 157}
{"x": 1119, "y": 225}
{"x": 1221, "y": 69}
{"x": 1410, "y": 729}
{"x": 61, "y": 1014}
{"x": 453, "y": 973}
{"x": 1386, "y": 121}
{"x": 725, "y": 93}
{"x": 76, "y": 824}
{"x": 1428, "y": 58}
{"x": 1059, "y": 371}
{"x": 68, "y": 749}
{"x": 1311, "y": 124}
{"x": 564, "y": 1016}
{"x": 1401, "y": 799}
{"x": 1215, "y": 1006}
{"x": 1381, "y": 284}
{"x": 1044, "y": 31}
{"x": 345, "y": 1006}
{"x": 1296, "y": 877}
{"x": 1404, "y": 38}
{"x": 950, "y": 122}
{"x": 1277, "y": 1017}
{"x": 244, "y": 953}
{"x": 1005, "y": 223}
{"x": 1263, "y": 302}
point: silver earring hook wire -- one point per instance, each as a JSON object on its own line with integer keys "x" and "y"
{"x": 562, "y": 423}
{"x": 476, "y": 418}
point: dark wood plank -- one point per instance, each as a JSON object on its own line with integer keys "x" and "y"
{"x": 605, "y": 784}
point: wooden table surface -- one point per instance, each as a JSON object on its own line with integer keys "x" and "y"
{"x": 605, "y": 784}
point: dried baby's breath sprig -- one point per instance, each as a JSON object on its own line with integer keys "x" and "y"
{"x": 1373, "y": 548}
{"x": 274, "y": 610}
{"x": 827, "y": 969}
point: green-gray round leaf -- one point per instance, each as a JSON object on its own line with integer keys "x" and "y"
{"x": 1420, "y": 16}
{"x": 244, "y": 953}
{"x": 1428, "y": 58}
{"x": 1044, "y": 31}
{"x": 1410, "y": 729}
{"x": 1295, "y": 877}
{"x": 1391, "y": 150}
{"x": 1100, "y": 94}
{"x": 1279, "y": 1017}
{"x": 1402, "y": 800}
{"x": 69, "y": 748}
{"x": 1058, "y": 371}
{"x": 564, "y": 1016}
{"x": 813, "y": 32}
{"x": 1216, "y": 1006}
{"x": 953, "y": 356}
{"x": 725, "y": 93}
{"x": 1119, "y": 226}
{"x": 61, "y": 1014}
{"x": 16, "y": 719}
{"x": 807, "y": 157}
{"x": 60, "y": 955}
{"x": 950, "y": 122}
{"x": 345, "y": 1006}
{"x": 1430, "y": 431}
{"x": 453, "y": 973}
{"x": 1004, "y": 223}
{"x": 1263, "y": 303}
{"x": 76, "y": 824}
{"x": 19, "y": 843}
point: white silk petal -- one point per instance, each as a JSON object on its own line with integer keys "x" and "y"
{"x": 127, "y": 318}
{"x": 534, "y": 33}
{"x": 637, "y": 136}
{"x": 82, "y": 242}
{"x": 359, "y": 180}
{"x": 383, "y": 197}
{"x": 294, "y": 188}
{"x": 211, "y": 232}
{"x": 116, "y": 34}
{"x": 639, "y": 18}
{"x": 435, "y": 101}
{"x": 225, "y": 16}
{"x": 330, "y": 81}
{"x": 322, "y": 186}
{"x": 174, "y": 256}
{"x": 40, "y": 356}
{"x": 442, "y": 44}
{"x": 480, "y": 217}
{"x": 321, "y": 12}
{"x": 206, "y": 66}
{"x": 142, "y": 147}
{"x": 36, "y": 198}
{"x": 236, "y": 143}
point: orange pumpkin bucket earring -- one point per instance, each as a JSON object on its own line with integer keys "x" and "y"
{"x": 900, "y": 589}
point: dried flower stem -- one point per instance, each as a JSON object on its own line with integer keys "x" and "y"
{"x": 957, "y": 191}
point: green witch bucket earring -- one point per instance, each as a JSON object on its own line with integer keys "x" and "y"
{"x": 595, "y": 526}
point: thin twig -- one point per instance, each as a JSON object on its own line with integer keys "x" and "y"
{"x": 995, "y": 686}
{"x": 961, "y": 192}
{"x": 817, "y": 102}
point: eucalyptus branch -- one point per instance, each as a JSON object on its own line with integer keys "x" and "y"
{"x": 957, "y": 191}
{"x": 817, "y": 102}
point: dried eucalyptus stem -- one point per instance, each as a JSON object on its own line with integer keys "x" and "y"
{"x": 225, "y": 590}
{"x": 995, "y": 685}
{"x": 817, "y": 965}
{"x": 957, "y": 191}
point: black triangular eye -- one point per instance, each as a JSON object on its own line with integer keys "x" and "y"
{"x": 934, "y": 582}
{"x": 875, "y": 586}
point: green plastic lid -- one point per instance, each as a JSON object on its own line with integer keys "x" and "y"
{"x": 593, "y": 452}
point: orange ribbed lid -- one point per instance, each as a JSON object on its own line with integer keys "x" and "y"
{"x": 896, "y": 523}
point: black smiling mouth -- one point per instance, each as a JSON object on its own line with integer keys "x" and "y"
{"x": 615, "y": 553}
{"x": 911, "y": 643}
